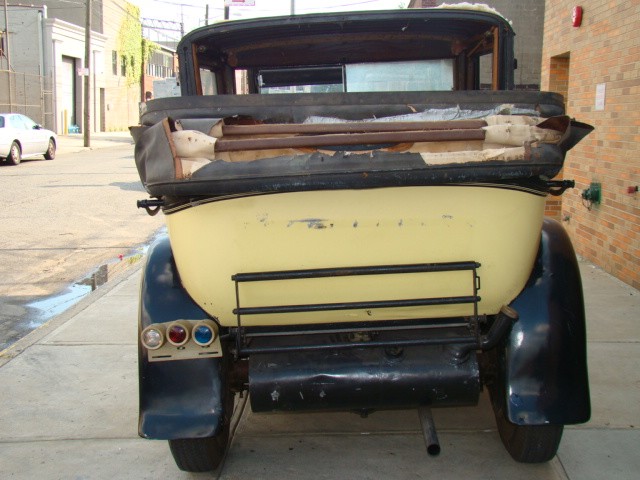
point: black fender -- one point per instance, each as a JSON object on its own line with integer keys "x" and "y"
{"x": 546, "y": 352}
{"x": 179, "y": 398}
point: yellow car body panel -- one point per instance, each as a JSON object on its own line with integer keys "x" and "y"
{"x": 495, "y": 226}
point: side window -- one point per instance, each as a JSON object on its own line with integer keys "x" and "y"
{"x": 208, "y": 82}
{"x": 27, "y": 122}
{"x": 1, "y": 122}
{"x": 16, "y": 122}
{"x": 114, "y": 62}
{"x": 486, "y": 72}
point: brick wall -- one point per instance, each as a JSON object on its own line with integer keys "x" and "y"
{"x": 605, "y": 50}
{"x": 121, "y": 99}
{"x": 558, "y": 82}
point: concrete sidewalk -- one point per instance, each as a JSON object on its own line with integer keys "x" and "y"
{"x": 75, "y": 142}
{"x": 69, "y": 411}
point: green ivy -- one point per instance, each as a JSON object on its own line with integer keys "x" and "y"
{"x": 131, "y": 46}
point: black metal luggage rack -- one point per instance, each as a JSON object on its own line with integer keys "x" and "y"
{"x": 399, "y": 333}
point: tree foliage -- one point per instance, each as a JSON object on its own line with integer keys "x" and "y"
{"x": 132, "y": 48}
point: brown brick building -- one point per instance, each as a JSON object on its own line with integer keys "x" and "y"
{"x": 597, "y": 67}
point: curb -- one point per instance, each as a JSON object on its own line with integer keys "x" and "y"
{"x": 19, "y": 346}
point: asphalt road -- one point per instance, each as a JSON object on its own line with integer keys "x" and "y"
{"x": 66, "y": 222}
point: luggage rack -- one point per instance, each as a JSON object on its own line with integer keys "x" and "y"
{"x": 450, "y": 331}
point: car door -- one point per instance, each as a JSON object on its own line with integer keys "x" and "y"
{"x": 37, "y": 138}
{"x": 5, "y": 136}
{"x": 19, "y": 131}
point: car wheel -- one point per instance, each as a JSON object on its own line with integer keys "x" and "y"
{"x": 15, "y": 154}
{"x": 199, "y": 454}
{"x": 525, "y": 443}
{"x": 204, "y": 454}
{"x": 50, "y": 154}
{"x": 529, "y": 443}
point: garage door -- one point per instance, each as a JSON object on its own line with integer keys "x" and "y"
{"x": 67, "y": 90}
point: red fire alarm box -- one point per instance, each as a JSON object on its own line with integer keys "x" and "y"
{"x": 576, "y": 16}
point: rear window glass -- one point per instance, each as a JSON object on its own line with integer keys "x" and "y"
{"x": 428, "y": 75}
{"x": 422, "y": 75}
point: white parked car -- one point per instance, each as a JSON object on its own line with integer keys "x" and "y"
{"x": 21, "y": 137}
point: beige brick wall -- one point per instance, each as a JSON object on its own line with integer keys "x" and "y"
{"x": 604, "y": 50}
{"x": 122, "y": 100}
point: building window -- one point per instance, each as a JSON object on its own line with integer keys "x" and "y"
{"x": 114, "y": 62}
{"x": 123, "y": 66}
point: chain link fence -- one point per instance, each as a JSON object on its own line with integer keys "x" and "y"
{"x": 29, "y": 94}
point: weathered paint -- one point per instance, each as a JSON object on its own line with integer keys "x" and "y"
{"x": 497, "y": 227}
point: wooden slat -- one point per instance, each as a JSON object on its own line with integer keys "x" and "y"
{"x": 351, "y": 127}
{"x": 314, "y": 141}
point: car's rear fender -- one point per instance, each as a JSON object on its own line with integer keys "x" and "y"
{"x": 180, "y": 398}
{"x": 546, "y": 358}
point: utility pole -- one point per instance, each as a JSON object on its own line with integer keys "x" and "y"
{"x": 181, "y": 22}
{"x": 206, "y": 14}
{"x": 293, "y": 7}
{"x": 87, "y": 78}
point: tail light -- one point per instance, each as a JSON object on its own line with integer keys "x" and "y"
{"x": 177, "y": 334}
{"x": 204, "y": 333}
{"x": 182, "y": 340}
{"x": 152, "y": 337}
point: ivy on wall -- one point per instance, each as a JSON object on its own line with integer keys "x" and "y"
{"x": 132, "y": 48}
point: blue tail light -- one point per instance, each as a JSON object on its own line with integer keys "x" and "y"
{"x": 203, "y": 335}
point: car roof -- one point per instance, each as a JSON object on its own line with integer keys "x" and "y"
{"x": 317, "y": 37}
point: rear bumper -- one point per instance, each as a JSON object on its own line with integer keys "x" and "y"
{"x": 363, "y": 379}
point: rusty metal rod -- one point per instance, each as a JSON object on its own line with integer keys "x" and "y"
{"x": 350, "y": 127}
{"x": 314, "y": 141}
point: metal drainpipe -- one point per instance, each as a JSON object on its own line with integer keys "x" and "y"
{"x": 8, "y": 54}
{"x": 87, "y": 78}
{"x": 41, "y": 15}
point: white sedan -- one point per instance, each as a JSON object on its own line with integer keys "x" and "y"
{"x": 21, "y": 137}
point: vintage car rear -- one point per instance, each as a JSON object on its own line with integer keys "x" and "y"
{"x": 355, "y": 208}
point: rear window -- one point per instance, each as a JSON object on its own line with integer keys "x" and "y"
{"x": 421, "y": 75}
{"x": 424, "y": 75}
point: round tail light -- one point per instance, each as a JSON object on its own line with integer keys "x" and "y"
{"x": 177, "y": 334}
{"x": 152, "y": 338}
{"x": 204, "y": 334}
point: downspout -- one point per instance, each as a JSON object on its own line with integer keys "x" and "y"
{"x": 42, "y": 14}
{"x": 8, "y": 53}
{"x": 54, "y": 81}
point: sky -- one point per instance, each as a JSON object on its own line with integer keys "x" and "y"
{"x": 192, "y": 12}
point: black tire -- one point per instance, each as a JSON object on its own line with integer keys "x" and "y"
{"x": 204, "y": 454}
{"x": 50, "y": 154}
{"x": 200, "y": 454}
{"x": 529, "y": 443}
{"x": 525, "y": 443}
{"x": 15, "y": 154}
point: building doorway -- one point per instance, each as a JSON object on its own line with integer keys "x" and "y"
{"x": 67, "y": 93}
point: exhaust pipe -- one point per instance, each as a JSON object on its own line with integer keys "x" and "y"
{"x": 429, "y": 431}
{"x": 501, "y": 326}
